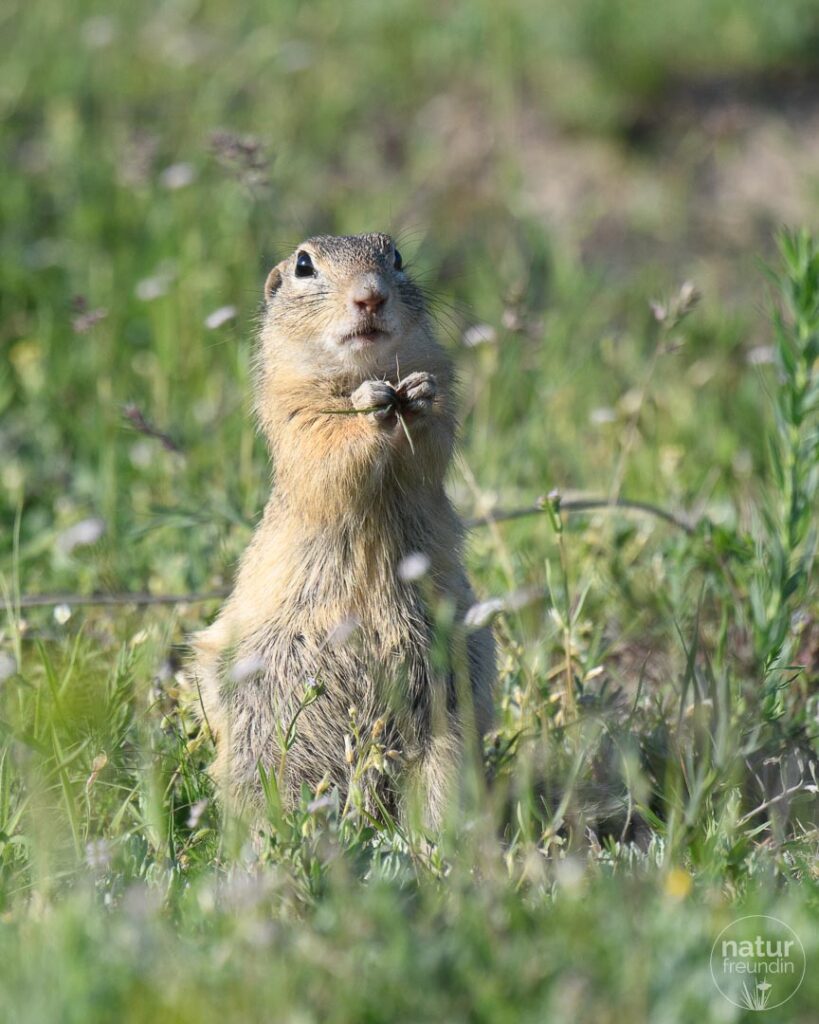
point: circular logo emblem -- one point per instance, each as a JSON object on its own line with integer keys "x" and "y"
{"x": 758, "y": 962}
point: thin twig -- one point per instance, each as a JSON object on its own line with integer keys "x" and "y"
{"x": 137, "y": 597}
{"x": 571, "y": 506}
{"x": 798, "y": 788}
{"x": 136, "y": 418}
{"x": 574, "y": 505}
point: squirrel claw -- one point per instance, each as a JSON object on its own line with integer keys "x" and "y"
{"x": 417, "y": 391}
{"x": 377, "y": 398}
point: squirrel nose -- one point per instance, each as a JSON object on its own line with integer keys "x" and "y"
{"x": 369, "y": 298}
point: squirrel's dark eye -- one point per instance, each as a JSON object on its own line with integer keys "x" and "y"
{"x": 399, "y": 262}
{"x": 304, "y": 265}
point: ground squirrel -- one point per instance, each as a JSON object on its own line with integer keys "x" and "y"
{"x": 355, "y": 397}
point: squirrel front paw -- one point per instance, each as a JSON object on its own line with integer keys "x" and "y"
{"x": 417, "y": 391}
{"x": 377, "y": 398}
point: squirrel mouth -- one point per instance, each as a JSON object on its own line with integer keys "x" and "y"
{"x": 369, "y": 333}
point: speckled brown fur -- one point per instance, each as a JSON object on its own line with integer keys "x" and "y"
{"x": 352, "y": 498}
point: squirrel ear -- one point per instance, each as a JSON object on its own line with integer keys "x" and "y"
{"x": 272, "y": 284}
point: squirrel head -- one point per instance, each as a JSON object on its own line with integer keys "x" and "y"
{"x": 343, "y": 305}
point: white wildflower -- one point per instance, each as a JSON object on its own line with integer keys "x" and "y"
{"x": 8, "y": 666}
{"x": 604, "y": 414}
{"x": 483, "y": 612}
{"x": 155, "y": 286}
{"x": 760, "y": 355}
{"x": 177, "y": 176}
{"x": 340, "y": 634}
{"x": 196, "y": 811}
{"x": 413, "y": 567}
{"x": 87, "y": 531}
{"x": 98, "y": 854}
{"x": 220, "y": 316}
{"x": 480, "y": 334}
{"x": 245, "y": 667}
{"x": 62, "y": 613}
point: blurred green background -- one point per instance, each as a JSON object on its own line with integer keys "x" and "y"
{"x": 550, "y": 170}
{"x": 548, "y": 167}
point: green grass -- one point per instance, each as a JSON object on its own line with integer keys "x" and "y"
{"x": 657, "y": 688}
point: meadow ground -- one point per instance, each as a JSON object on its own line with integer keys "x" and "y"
{"x": 556, "y": 174}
